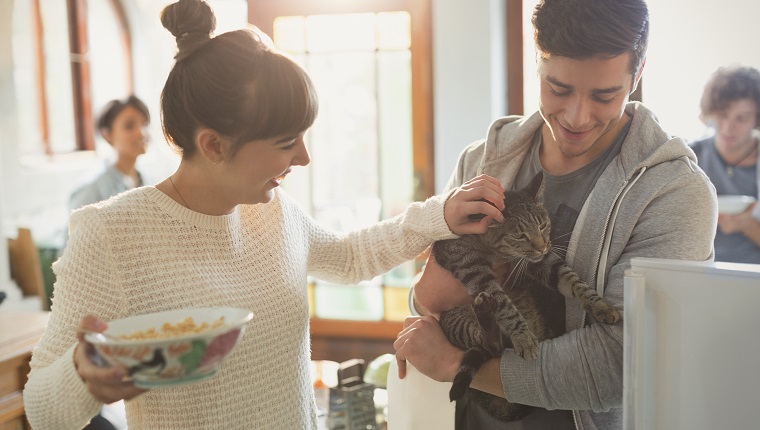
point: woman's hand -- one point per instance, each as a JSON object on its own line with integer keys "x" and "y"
{"x": 473, "y": 198}
{"x": 106, "y": 383}
{"x": 423, "y": 344}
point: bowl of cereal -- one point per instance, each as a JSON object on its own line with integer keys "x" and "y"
{"x": 734, "y": 205}
{"x": 173, "y": 347}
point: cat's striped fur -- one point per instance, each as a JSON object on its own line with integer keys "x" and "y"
{"x": 503, "y": 270}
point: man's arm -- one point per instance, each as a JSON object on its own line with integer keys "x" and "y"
{"x": 437, "y": 290}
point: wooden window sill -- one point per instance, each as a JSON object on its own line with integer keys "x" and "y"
{"x": 382, "y": 330}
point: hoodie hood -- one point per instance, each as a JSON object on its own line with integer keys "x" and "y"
{"x": 647, "y": 144}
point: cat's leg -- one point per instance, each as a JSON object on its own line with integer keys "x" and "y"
{"x": 466, "y": 328}
{"x": 569, "y": 284}
{"x": 524, "y": 341}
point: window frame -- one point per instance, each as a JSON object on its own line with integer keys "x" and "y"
{"x": 262, "y": 14}
{"x": 80, "y": 70}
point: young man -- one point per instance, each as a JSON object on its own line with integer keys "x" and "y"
{"x": 617, "y": 187}
{"x": 730, "y": 158}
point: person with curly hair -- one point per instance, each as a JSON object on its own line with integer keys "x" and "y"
{"x": 731, "y": 106}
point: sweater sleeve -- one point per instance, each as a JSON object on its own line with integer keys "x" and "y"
{"x": 583, "y": 369}
{"x": 365, "y": 253}
{"x": 54, "y": 396}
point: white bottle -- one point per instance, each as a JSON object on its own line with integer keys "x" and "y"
{"x": 418, "y": 402}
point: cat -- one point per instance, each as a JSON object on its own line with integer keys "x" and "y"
{"x": 505, "y": 313}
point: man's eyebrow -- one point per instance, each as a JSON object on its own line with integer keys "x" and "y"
{"x": 554, "y": 81}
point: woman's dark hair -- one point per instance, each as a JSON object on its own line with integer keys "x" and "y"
{"x": 113, "y": 108}
{"x": 233, "y": 83}
{"x": 729, "y": 84}
{"x": 582, "y": 29}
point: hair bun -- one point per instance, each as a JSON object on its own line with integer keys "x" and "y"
{"x": 191, "y": 22}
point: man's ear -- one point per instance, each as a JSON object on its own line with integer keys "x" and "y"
{"x": 211, "y": 145}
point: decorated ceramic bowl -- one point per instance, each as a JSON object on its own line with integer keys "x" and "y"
{"x": 733, "y": 205}
{"x": 173, "y": 347}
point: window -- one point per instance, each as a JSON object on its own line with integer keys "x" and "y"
{"x": 371, "y": 145}
{"x": 69, "y": 58}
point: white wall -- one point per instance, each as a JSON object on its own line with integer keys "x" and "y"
{"x": 469, "y": 76}
{"x": 689, "y": 40}
{"x": 7, "y": 120}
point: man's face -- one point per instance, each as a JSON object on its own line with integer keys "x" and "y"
{"x": 582, "y": 103}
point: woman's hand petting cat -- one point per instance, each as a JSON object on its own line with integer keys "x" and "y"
{"x": 480, "y": 195}
{"x": 424, "y": 345}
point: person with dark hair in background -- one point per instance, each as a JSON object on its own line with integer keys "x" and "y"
{"x": 123, "y": 125}
{"x": 731, "y": 104}
{"x": 220, "y": 232}
{"x": 617, "y": 186}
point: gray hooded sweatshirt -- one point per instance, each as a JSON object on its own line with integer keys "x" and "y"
{"x": 651, "y": 201}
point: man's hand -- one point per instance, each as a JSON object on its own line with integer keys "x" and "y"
{"x": 423, "y": 343}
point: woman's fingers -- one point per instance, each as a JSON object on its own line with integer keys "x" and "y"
{"x": 106, "y": 383}
{"x": 482, "y": 196}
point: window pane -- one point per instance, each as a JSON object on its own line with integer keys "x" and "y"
{"x": 395, "y": 105}
{"x": 58, "y": 84}
{"x": 344, "y": 32}
{"x": 344, "y": 140}
{"x": 25, "y": 79}
{"x": 393, "y": 30}
{"x": 109, "y": 66}
{"x": 230, "y": 15}
{"x": 290, "y": 33}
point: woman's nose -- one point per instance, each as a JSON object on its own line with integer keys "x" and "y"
{"x": 302, "y": 157}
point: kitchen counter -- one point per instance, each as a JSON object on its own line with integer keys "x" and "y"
{"x": 19, "y": 333}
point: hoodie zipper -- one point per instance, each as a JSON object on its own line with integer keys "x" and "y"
{"x": 609, "y": 224}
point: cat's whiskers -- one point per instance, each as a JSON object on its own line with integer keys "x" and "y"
{"x": 518, "y": 269}
{"x": 559, "y": 251}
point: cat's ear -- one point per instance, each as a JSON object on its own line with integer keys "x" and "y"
{"x": 536, "y": 187}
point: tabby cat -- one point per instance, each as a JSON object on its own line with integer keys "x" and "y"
{"x": 505, "y": 313}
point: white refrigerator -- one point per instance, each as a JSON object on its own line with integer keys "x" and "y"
{"x": 691, "y": 345}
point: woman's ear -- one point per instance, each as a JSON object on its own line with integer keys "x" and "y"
{"x": 106, "y": 133}
{"x": 211, "y": 145}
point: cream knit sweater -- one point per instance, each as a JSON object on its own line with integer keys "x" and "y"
{"x": 142, "y": 252}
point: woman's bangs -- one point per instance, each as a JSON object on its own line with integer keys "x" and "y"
{"x": 283, "y": 102}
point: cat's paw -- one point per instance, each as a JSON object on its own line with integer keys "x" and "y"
{"x": 604, "y": 312}
{"x": 525, "y": 344}
{"x": 485, "y": 303}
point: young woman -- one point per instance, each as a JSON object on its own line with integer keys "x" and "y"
{"x": 731, "y": 104}
{"x": 220, "y": 231}
{"x": 123, "y": 125}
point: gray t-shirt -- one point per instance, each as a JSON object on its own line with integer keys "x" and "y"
{"x": 734, "y": 247}
{"x": 564, "y": 196}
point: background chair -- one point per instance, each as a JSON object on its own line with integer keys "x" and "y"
{"x": 25, "y": 266}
